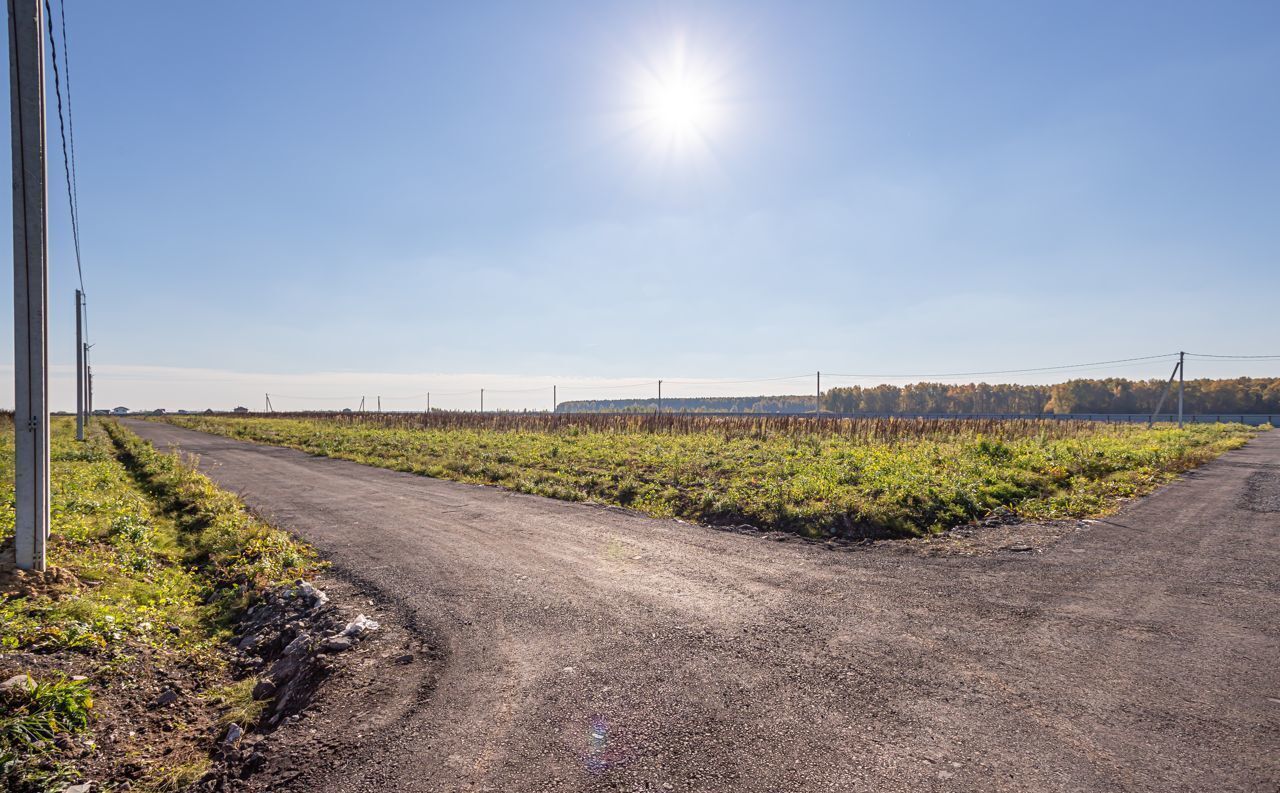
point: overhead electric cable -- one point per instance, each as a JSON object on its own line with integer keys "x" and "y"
{"x": 62, "y": 130}
{"x": 1233, "y": 357}
{"x": 806, "y": 376}
{"x": 607, "y": 387}
{"x": 71, "y": 116}
{"x": 1016, "y": 371}
{"x": 330, "y": 398}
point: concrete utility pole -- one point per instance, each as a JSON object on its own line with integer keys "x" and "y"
{"x": 30, "y": 284}
{"x": 88, "y": 388}
{"x": 817, "y": 400}
{"x": 80, "y": 393}
{"x": 482, "y": 400}
{"x": 554, "y": 400}
{"x": 379, "y": 403}
{"x": 659, "y": 397}
{"x": 1182, "y": 358}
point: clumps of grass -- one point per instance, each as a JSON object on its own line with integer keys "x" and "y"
{"x": 33, "y": 714}
{"x": 237, "y": 553}
{"x": 873, "y": 477}
{"x": 238, "y": 704}
{"x": 148, "y": 564}
{"x": 175, "y": 777}
{"x": 115, "y": 573}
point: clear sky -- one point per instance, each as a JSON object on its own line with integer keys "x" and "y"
{"x": 333, "y": 199}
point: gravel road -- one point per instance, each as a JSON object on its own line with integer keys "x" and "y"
{"x": 585, "y": 649}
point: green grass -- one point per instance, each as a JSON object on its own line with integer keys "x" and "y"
{"x": 237, "y": 702}
{"x": 882, "y": 478}
{"x": 237, "y": 554}
{"x": 175, "y": 777}
{"x": 152, "y": 562}
{"x": 130, "y": 577}
{"x": 31, "y": 717}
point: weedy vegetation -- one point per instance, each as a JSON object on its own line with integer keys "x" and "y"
{"x": 149, "y": 563}
{"x": 33, "y": 714}
{"x": 817, "y": 477}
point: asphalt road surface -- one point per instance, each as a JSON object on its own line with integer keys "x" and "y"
{"x": 586, "y": 649}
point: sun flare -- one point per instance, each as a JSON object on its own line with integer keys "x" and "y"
{"x": 679, "y": 107}
{"x": 678, "y": 102}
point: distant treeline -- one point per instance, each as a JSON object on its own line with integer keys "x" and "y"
{"x": 1112, "y": 395}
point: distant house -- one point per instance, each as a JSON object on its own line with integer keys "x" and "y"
{"x": 158, "y": 412}
{"x": 208, "y": 411}
{"x": 101, "y": 412}
{"x": 241, "y": 410}
{"x": 120, "y": 411}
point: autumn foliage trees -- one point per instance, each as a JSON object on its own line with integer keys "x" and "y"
{"x": 1110, "y": 395}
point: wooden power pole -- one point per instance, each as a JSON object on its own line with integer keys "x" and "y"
{"x": 30, "y": 284}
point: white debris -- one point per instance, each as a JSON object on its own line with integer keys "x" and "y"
{"x": 359, "y": 627}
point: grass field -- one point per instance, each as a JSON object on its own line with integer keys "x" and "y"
{"x": 148, "y": 562}
{"x": 849, "y": 477}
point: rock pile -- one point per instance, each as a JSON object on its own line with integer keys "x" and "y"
{"x": 286, "y": 641}
{"x": 283, "y": 639}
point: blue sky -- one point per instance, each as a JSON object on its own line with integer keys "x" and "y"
{"x": 341, "y": 198}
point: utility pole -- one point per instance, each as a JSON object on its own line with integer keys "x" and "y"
{"x": 79, "y": 366}
{"x": 1182, "y": 358}
{"x": 554, "y": 400}
{"x": 88, "y": 387}
{"x": 482, "y": 400}
{"x": 428, "y": 402}
{"x": 659, "y": 397}
{"x": 30, "y": 284}
{"x": 817, "y": 399}
{"x": 361, "y": 404}
{"x": 379, "y": 403}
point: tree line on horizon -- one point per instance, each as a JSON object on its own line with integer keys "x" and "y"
{"x": 1108, "y": 395}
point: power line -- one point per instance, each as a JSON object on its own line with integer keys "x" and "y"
{"x": 330, "y": 398}
{"x": 739, "y": 382}
{"x": 62, "y": 131}
{"x": 71, "y": 131}
{"x": 1016, "y": 371}
{"x": 71, "y": 117}
{"x": 1073, "y": 371}
{"x": 1235, "y": 357}
{"x": 538, "y": 389}
{"x": 608, "y": 387}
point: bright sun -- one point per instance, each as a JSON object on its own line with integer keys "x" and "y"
{"x": 678, "y": 103}
{"x": 679, "y": 107}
